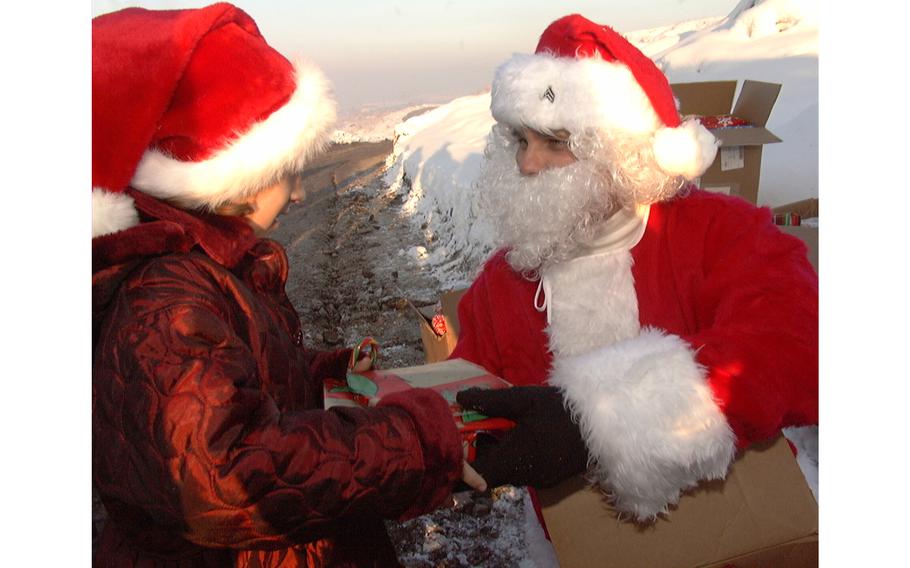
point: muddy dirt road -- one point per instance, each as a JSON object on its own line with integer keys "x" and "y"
{"x": 347, "y": 278}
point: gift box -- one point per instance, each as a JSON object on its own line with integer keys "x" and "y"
{"x": 447, "y": 378}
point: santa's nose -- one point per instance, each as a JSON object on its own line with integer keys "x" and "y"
{"x": 531, "y": 161}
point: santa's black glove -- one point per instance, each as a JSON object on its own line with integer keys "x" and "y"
{"x": 543, "y": 448}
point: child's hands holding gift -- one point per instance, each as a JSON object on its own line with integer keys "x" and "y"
{"x": 364, "y": 356}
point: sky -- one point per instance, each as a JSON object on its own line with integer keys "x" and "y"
{"x": 415, "y": 51}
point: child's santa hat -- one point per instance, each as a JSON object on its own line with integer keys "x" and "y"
{"x": 583, "y": 75}
{"x": 195, "y": 106}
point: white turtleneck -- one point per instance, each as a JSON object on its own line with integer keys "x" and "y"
{"x": 590, "y": 299}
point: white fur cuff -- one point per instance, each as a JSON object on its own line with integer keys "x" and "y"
{"x": 649, "y": 419}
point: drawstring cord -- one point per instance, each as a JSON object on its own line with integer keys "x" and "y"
{"x": 543, "y": 285}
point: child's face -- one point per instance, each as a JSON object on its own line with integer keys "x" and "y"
{"x": 272, "y": 202}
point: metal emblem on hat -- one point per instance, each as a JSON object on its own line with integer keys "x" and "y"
{"x": 549, "y": 95}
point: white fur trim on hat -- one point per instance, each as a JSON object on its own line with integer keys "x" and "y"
{"x": 649, "y": 419}
{"x": 687, "y": 150}
{"x": 112, "y": 212}
{"x": 548, "y": 93}
{"x": 282, "y": 142}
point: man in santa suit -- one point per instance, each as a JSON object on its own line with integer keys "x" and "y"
{"x": 652, "y": 329}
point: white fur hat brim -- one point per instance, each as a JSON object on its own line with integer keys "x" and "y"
{"x": 279, "y": 144}
{"x": 547, "y": 93}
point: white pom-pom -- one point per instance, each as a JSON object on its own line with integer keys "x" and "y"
{"x": 112, "y": 212}
{"x": 687, "y": 150}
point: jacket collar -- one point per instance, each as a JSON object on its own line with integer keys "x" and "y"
{"x": 166, "y": 229}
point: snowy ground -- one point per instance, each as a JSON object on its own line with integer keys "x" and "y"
{"x": 371, "y": 124}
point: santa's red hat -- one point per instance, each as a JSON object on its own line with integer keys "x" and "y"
{"x": 194, "y": 106}
{"x": 586, "y": 76}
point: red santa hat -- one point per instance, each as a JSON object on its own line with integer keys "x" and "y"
{"x": 194, "y": 106}
{"x": 583, "y": 75}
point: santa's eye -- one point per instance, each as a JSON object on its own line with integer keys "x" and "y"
{"x": 557, "y": 144}
{"x": 520, "y": 138}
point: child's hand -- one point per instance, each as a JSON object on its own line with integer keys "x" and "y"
{"x": 365, "y": 363}
{"x": 473, "y": 479}
{"x": 363, "y": 356}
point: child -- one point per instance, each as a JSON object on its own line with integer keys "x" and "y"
{"x": 210, "y": 445}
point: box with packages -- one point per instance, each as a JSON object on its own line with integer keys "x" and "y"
{"x": 439, "y": 325}
{"x": 739, "y": 128}
{"x": 763, "y": 514}
{"x": 445, "y": 377}
{"x": 791, "y": 219}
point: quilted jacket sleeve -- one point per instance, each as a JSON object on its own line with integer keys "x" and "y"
{"x": 327, "y": 364}
{"x": 184, "y": 431}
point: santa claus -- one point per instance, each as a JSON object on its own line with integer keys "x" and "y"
{"x": 653, "y": 329}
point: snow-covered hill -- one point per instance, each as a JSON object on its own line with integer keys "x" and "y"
{"x": 374, "y": 124}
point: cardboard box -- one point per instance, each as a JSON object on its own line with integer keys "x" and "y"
{"x": 805, "y": 209}
{"x": 762, "y": 515}
{"x": 439, "y": 347}
{"x": 737, "y": 168}
{"x": 808, "y": 235}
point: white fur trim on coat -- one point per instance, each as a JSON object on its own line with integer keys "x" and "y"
{"x": 112, "y": 212}
{"x": 648, "y": 418}
{"x": 282, "y": 142}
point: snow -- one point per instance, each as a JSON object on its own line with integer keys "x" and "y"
{"x": 499, "y": 529}
{"x": 374, "y": 124}
{"x": 437, "y": 155}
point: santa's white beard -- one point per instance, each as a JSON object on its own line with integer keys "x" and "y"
{"x": 544, "y": 218}
{"x": 541, "y": 218}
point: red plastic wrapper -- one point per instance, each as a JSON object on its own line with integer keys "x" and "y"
{"x": 722, "y": 121}
{"x": 438, "y": 323}
{"x": 788, "y": 219}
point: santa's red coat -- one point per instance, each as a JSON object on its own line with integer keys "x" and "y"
{"x": 717, "y": 283}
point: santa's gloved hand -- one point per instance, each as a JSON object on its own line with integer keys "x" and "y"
{"x": 543, "y": 448}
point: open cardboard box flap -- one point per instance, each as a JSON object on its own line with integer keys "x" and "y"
{"x": 737, "y": 168}
{"x": 437, "y": 348}
{"x": 712, "y": 98}
{"x": 763, "y": 514}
